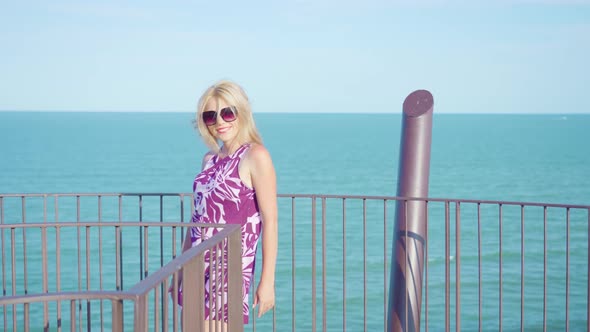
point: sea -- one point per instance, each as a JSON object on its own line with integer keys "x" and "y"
{"x": 542, "y": 158}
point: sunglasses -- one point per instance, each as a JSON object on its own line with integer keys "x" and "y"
{"x": 228, "y": 114}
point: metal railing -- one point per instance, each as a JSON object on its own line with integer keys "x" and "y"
{"x": 494, "y": 264}
{"x": 144, "y": 294}
{"x": 83, "y": 263}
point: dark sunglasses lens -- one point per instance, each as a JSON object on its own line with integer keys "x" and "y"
{"x": 228, "y": 114}
{"x": 209, "y": 118}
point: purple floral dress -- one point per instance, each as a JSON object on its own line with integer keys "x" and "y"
{"x": 221, "y": 197}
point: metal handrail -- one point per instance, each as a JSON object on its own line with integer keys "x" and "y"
{"x": 191, "y": 262}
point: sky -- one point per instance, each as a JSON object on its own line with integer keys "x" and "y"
{"x": 362, "y": 56}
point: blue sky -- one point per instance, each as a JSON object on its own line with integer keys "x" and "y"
{"x": 501, "y": 56}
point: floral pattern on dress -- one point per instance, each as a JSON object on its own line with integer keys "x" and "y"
{"x": 220, "y": 197}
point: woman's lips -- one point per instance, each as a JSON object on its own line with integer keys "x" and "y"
{"x": 222, "y": 130}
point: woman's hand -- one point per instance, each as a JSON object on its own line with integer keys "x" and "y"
{"x": 264, "y": 298}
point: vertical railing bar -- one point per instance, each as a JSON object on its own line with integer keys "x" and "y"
{"x": 500, "y": 266}
{"x": 234, "y": 265}
{"x": 100, "y": 261}
{"x": 79, "y": 249}
{"x": 88, "y": 303}
{"x": 166, "y": 286}
{"x": 522, "y": 268}
{"x": 120, "y": 248}
{"x": 26, "y": 317}
{"x": 447, "y": 269}
{"x": 162, "y": 251}
{"x": 72, "y": 315}
{"x": 223, "y": 247}
{"x": 479, "y": 295}
{"x": 217, "y": 288}
{"x": 426, "y": 266}
{"x": 214, "y": 280}
{"x": 117, "y": 315}
{"x": 567, "y": 270}
{"x": 156, "y": 307}
{"x": 544, "y": 268}
{"x": 174, "y": 241}
{"x": 313, "y": 264}
{"x": 222, "y": 296}
{"x": 44, "y": 263}
{"x": 24, "y": 220}
{"x": 3, "y": 260}
{"x": 588, "y": 273}
{"x": 344, "y": 264}
{"x": 211, "y": 308}
{"x": 174, "y": 280}
{"x": 324, "y": 306}
{"x": 457, "y": 266}
{"x": 118, "y": 256}
{"x": 140, "y": 322}
{"x": 364, "y": 264}
{"x": 219, "y": 314}
{"x": 13, "y": 269}
{"x": 384, "y": 263}
{"x": 175, "y": 301}
{"x": 145, "y": 251}
{"x": 58, "y": 262}
{"x": 293, "y": 297}
{"x": 118, "y": 268}
{"x": 181, "y": 220}
{"x": 140, "y": 229}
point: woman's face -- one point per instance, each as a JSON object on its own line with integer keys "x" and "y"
{"x": 221, "y": 129}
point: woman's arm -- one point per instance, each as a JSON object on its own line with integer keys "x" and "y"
{"x": 262, "y": 174}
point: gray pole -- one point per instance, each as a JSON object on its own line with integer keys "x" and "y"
{"x": 409, "y": 236}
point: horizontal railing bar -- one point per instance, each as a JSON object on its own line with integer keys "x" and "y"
{"x": 390, "y": 198}
{"x": 177, "y": 263}
{"x": 435, "y": 199}
{"x": 88, "y": 194}
{"x": 67, "y": 296}
{"x": 105, "y": 224}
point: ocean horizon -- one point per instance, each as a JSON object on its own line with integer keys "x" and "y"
{"x": 299, "y": 112}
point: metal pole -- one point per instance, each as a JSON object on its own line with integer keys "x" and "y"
{"x": 407, "y": 260}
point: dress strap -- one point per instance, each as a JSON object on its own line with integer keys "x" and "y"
{"x": 241, "y": 150}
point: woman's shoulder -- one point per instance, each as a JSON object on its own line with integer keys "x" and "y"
{"x": 257, "y": 150}
{"x": 257, "y": 155}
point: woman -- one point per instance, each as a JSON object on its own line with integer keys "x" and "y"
{"x": 237, "y": 185}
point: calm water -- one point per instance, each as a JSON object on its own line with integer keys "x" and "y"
{"x": 534, "y": 158}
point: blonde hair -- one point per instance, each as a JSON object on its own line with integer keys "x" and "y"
{"x": 235, "y": 96}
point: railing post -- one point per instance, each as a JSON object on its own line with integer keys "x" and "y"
{"x": 407, "y": 260}
{"x": 234, "y": 273}
{"x": 193, "y": 316}
{"x": 141, "y": 313}
{"x": 117, "y": 316}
